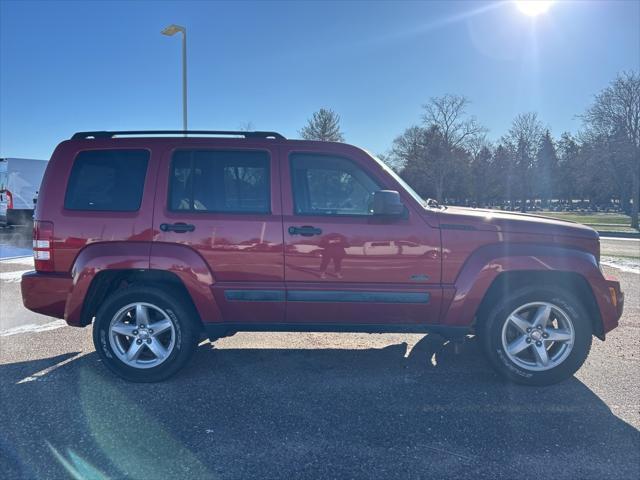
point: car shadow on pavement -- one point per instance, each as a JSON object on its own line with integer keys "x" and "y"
{"x": 307, "y": 413}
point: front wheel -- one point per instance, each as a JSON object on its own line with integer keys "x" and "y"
{"x": 537, "y": 336}
{"x": 144, "y": 335}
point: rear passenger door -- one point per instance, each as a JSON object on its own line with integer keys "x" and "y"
{"x": 224, "y": 203}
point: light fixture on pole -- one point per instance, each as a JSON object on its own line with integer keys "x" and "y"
{"x": 169, "y": 31}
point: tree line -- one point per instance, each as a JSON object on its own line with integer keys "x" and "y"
{"x": 447, "y": 156}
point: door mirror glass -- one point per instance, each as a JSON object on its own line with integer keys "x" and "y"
{"x": 387, "y": 203}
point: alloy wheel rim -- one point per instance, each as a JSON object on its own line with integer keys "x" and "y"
{"x": 142, "y": 335}
{"x": 538, "y": 336}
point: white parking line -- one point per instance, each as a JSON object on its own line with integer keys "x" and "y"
{"x": 12, "y": 277}
{"x": 38, "y": 375}
{"x": 33, "y": 328}
{"x": 623, "y": 264}
{"x": 24, "y": 260}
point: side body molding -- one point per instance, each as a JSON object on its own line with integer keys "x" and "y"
{"x": 95, "y": 258}
{"x": 486, "y": 263}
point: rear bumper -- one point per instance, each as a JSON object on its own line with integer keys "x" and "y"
{"x": 45, "y": 293}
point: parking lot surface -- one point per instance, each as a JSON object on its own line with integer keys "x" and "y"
{"x": 274, "y": 405}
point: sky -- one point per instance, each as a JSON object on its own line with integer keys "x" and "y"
{"x": 74, "y": 66}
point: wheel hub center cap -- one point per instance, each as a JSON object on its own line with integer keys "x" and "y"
{"x": 536, "y": 335}
{"x": 143, "y": 334}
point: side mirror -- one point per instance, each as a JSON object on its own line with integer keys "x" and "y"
{"x": 387, "y": 203}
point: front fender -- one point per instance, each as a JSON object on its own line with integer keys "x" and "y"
{"x": 486, "y": 263}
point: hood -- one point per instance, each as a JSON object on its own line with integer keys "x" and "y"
{"x": 500, "y": 221}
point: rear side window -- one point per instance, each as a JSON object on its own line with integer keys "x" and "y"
{"x": 107, "y": 180}
{"x": 220, "y": 181}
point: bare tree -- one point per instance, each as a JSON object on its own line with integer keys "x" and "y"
{"x": 324, "y": 125}
{"x": 247, "y": 126}
{"x": 523, "y": 141}
{"x": 477, "y": 144}
{"x": 447, "y": 156}
{"x": 615, "y": 114}
{"x": 448, "y": 114}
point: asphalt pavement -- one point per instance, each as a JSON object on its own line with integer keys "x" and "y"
{"x": 276, "y": 405}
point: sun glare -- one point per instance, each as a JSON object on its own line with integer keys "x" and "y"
{"x": 533, "y": 8}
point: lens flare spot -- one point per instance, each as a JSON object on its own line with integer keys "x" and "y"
{"x": 533, "y": 8}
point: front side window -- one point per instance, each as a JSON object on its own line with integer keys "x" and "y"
{"x": 220, "y": 181}
{"x": 330, "y": 185}
{"x": 107, "y": 180}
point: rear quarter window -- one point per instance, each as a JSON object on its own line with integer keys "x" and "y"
{"x": 107, "y": 180}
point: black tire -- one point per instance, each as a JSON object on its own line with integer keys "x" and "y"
{"x": 491, "y": 326}
{"x": 178, "y": 310}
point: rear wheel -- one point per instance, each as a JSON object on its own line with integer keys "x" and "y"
{"x": 144, "y": 335}
{"x": 537, "y": 336}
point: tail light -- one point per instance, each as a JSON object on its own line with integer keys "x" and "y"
{"x": 42, "y": 246}
{"x": 9, "y": 200}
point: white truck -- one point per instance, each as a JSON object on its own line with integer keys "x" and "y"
{"x": 20, "y": 180}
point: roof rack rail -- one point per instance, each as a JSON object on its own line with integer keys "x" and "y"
{"x": 111, "y": 134}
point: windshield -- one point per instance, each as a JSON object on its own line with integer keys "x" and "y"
{"x": 399, "y": 179}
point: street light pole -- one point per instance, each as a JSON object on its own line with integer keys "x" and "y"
{"x": 184, "y": 79}
{"x": 169, "y": 31}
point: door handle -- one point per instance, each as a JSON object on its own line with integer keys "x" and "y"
{"x": 179, "y": 227}
{"x": 305, "y": 231}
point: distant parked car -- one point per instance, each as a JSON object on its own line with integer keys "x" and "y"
{"x": 157, "y": 241}
{"x": 20, "y": 180}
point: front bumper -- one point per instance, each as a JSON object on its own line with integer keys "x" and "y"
{"x": 610, "y": 299}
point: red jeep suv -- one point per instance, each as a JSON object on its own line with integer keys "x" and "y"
{"x": 159, "y": 238}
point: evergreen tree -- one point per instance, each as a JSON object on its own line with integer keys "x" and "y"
{"x": 546, "y": 169}
{"x": 480, "y": 170}
{"x": 324, "y": 125}
{"x": 568, "y": 166}
{"x": 523, "y": 140}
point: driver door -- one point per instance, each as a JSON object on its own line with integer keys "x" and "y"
{"x": 344, "y": 265}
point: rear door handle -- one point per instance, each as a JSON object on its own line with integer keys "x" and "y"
{"x": 305, "y": 231}
{"x": 179, "y": 227}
